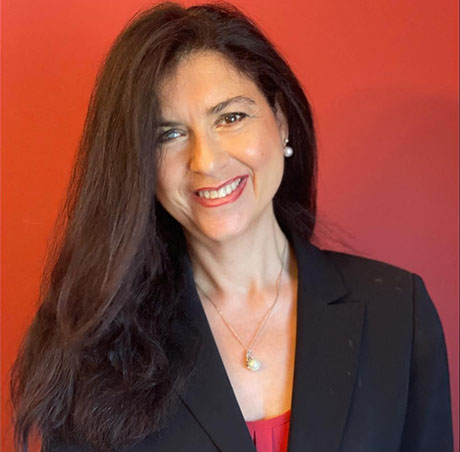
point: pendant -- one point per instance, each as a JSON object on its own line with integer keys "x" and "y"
{"x": 251, "y": 362}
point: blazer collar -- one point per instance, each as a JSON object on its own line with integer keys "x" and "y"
{"x": 326, "y": 355}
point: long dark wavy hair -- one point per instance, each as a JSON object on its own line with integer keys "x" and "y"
{"x": 101, "y": 341}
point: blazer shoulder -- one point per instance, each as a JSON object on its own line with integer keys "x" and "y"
{"x": 353, "y": 262}
{"x": 363, "y": 274}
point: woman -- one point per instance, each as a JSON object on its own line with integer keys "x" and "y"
{"x": 185, "y": 308}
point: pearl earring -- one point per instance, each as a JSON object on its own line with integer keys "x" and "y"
{"x": 288, "y": 151}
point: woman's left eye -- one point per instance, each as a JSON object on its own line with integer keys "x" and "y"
{"x": 231, "y": 118}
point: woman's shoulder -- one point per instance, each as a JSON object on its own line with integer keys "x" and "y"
{"x": 372, "y": 276}
{"x": 357, "y": 263}
{"x": 389, "y": 293}
{"x": 361, "y": 277}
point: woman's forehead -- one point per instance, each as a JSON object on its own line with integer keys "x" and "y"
{"x": 203, "y": 80}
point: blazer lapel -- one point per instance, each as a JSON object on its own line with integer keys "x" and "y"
{"x": 327, "y": 347}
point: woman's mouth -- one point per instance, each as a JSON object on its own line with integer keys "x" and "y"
{"x": 224, "y": 194}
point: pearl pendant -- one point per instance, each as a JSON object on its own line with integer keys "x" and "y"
{"x": 251, "y": 362}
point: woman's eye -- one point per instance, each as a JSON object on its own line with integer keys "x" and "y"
{"x": 169, "y": 135}
{"x": 231, "y": 118}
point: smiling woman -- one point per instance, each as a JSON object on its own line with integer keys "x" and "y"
{"x": 184, "y": 306}
{"x": 225, "y": 149}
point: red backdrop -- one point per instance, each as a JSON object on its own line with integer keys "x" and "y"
{"x": 383, "y": 80}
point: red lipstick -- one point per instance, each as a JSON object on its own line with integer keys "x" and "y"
{"x": 216, "y": 202}
{"x": 219, "y": 186}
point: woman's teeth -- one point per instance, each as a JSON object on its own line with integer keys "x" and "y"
{"x": 222, "y": 192}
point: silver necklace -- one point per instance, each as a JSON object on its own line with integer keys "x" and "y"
{"x": 251, "y": 362}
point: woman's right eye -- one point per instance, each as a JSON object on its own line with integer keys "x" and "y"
{"x": 169, "y": 135}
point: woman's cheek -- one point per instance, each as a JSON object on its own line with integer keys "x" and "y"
{"x": 253, "y": 152}
{"x": 168, "y": 180}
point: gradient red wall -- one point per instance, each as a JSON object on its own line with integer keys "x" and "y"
{"x": 382, "y": 76}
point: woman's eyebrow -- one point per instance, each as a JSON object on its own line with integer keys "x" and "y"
{"x": 164, "y": 123}
{"x": 213, "y": 110}
{"x": 220, "y": 106}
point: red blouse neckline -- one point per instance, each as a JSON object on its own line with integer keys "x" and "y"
{"x": 271, "y": 421}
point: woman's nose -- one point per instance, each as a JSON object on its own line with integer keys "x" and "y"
{"x": 206, "y": 155}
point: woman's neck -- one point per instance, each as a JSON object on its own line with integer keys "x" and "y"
{"x": 241, "y": 267}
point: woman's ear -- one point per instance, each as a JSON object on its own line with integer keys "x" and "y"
{"x": 281, "y": 118}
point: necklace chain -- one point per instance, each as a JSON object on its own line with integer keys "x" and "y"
{"x": 249, "y": 348}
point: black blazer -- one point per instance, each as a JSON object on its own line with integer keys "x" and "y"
{"x": 371, "y": 371}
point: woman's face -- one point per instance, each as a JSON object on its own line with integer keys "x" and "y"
{"x": 222, "y": 149}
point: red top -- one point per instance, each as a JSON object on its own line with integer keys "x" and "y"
{"x": 270, "y": 435}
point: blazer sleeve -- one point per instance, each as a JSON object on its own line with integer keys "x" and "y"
{"x": 428, "y": 423}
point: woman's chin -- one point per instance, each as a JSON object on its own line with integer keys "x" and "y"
{"x": 221, "y": 231}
